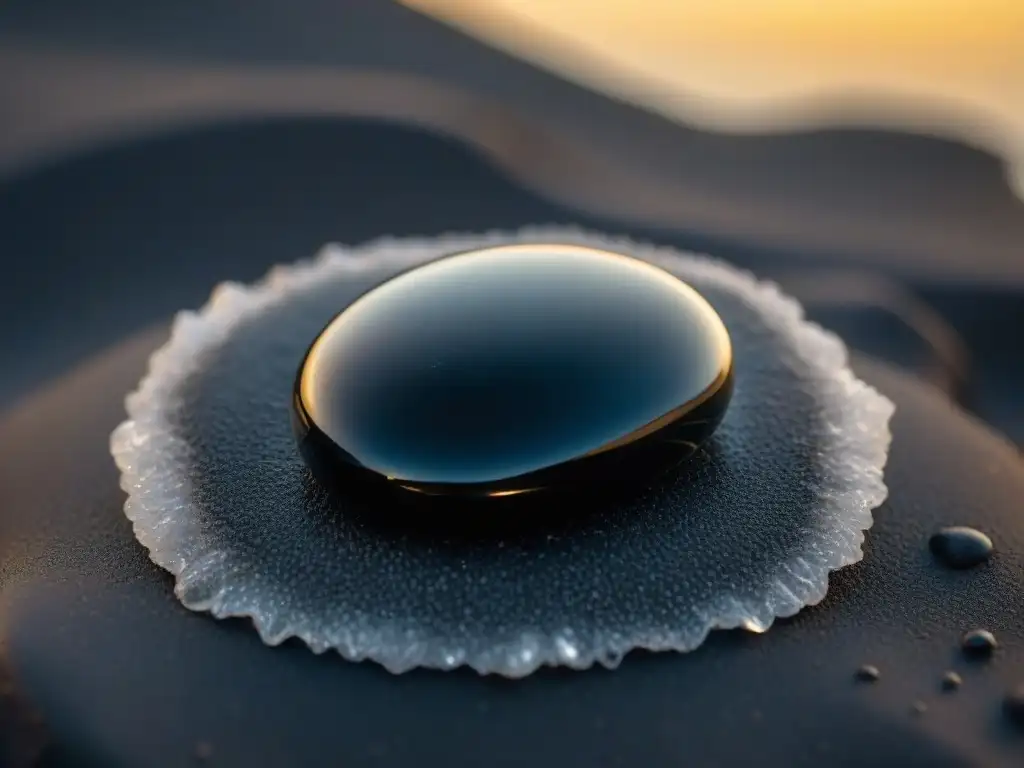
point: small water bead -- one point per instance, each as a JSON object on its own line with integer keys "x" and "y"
{"x": 960, "y": 546}
{"x": 979, "y": 643}
{"x": 951, "y": 681}
{"x": 511, "y": 370}
{"x": 868, "y": 673}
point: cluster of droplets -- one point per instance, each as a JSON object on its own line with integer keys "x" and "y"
{"x": 961, "y": 548}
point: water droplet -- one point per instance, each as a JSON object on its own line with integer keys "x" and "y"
{"x": 611, "y": 658}
{"x": 1013, "y": 706}
{"x": 951, "y": 681}
{"x": 755, "y": 626}
{"x": 979, "y": 643}
{"x": 919, "y": 708}
{"x": 960, "y": 547}
{"x": 566, "y": 650}
{"x": 514, "y": 369}
{"x": 868, "y": 673}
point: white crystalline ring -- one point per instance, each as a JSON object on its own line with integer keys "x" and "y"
{"x": 747, "y": 532}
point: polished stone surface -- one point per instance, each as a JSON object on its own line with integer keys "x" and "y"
{"x": 514, "y": 369}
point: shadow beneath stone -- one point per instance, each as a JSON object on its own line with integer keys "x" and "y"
{"x": 521, "y": 520}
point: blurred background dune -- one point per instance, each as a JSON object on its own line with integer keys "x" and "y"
{"x": 951, "y": 67}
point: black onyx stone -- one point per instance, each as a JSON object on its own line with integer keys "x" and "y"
{"x": 514, "y": 369}
{"x": 960, "y": 547}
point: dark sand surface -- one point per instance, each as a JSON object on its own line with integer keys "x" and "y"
{"x": 100, "y": 240}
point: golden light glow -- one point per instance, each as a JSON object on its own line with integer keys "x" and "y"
{"x": 952, "y": 66}
{"x": 517, "y": 492}
{"x": 441, "y": 492}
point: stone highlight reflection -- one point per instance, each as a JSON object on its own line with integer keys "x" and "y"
{"x": 512, "y": 370}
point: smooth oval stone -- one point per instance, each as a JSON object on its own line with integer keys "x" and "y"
{"x": 514, "y": 369}
{"x": 960, "y": 547}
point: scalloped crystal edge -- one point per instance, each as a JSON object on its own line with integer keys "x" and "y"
{"x": 158, "y": 502}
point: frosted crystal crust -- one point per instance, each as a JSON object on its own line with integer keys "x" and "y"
{"x": 747, "y": 532}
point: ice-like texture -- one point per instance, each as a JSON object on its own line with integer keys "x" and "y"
{"x": 748, "y": 531}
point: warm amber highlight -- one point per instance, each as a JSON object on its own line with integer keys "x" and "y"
{"x": 955, "y": 67}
